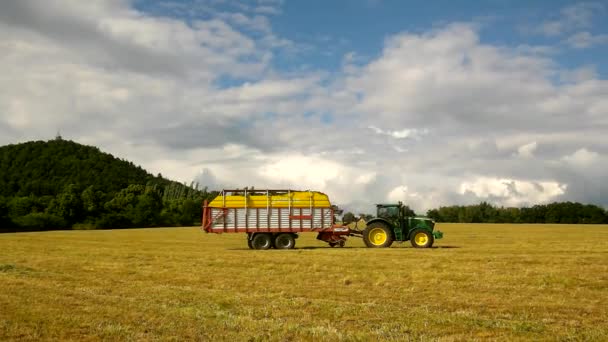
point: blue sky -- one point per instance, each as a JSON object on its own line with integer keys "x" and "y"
{"x": 365, "y": 24}
{"x": 431, "y": 103}
{"x": 324, "y": 31}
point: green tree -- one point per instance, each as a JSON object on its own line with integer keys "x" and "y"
{"x": 348, "y": 218}
{"x": 407, "y": 211}
{"x": 67, "y": 205}
{"x": 508, "y": 215}
{"x": 146, "y": 211}
{"x": 5, "y": 221}
{"x": 434, "y": 215}
{"x": 593, "y": 214}
{"x": 21, "y": 206}
{"x": 92, "y": 202}
{"x": 191, "y": 213}
{"x": 40, "y": 221}
{"x": 449, "y": 214}
{"x": 136, "y": 205}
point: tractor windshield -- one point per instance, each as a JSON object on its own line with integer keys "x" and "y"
{"x": 388, "y": 212}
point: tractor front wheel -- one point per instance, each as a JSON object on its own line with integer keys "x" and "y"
{"x": 377, "y": 235}
{"x": 421, "y": 238}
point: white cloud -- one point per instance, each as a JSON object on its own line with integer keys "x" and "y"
{"x": 267, "y": 10}
{"x": 513, "y": 192}
{"x": 256, "y": 23}
{"x": 570, "y": 18}
{"x": 402, "y": 193}
{"x": 268, "y": 89}
{"x": 311, "y": 171}
{"x": 447, "y": 76}
{"x": 527, "y": 150}
{"x": 400, "y": 134}
{"x": 582, "y": 40}
{"x": 578, "y": 75}
{"x": 581, "y": 158}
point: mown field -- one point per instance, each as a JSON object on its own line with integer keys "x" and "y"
{"x": 506, "y": 282}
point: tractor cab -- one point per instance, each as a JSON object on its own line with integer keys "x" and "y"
{"x": 397, "y": 214}
{"x": 389, "y": 211}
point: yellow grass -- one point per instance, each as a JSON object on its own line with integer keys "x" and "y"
{"x": 507, "y": 282}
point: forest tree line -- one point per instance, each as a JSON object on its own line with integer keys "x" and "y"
{"x": 558, "y": 212}
{"x": 91, "y": 208}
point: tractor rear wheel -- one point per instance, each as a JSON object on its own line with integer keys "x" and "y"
{"x": 377, "y": 235}
{"x": 421, "y": 238}
{"x": 284, "y": 241}
{"x": 261, "y": 241}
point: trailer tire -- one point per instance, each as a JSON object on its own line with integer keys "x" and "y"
{"x": 284, "y": 241}
{"x": 261, "y": 241}
{"x": 421, "y": 238}
{"x": 249, "y": 240}
{"x": 377, "y": 235}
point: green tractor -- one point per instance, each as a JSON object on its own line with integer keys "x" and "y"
{"x": 392, "y": 224}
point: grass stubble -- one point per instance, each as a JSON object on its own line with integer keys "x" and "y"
{"x": 481, "y": 282}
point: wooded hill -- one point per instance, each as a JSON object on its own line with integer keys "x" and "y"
{"x": 62, "y": 184}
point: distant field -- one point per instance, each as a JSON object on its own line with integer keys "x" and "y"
{"x": 508, "y": 282}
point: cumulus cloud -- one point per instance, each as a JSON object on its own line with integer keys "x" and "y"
{"x": 585, "y": 39}
{"x": 402, "y": 193}
{"x": 439, "y": 117}
{"x": 400, "y": 134}
{"x": 527, "y": 150}
{"x": 448, "y": 77}
{"x": 578, "y": 75}
{"x": 269, "y": 7}
{"x": 581, "y": 157}
{"x": 571, "y": 17}
{"x": 256, "y": 23}
{"x": 312, "y": 170}
{"x": 513, "y": 192}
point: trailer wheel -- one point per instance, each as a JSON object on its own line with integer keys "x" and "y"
{"x": 377, "y": 235}
{"x": 249, "y": 242}
{"x": 261, "y": 241}
{"x": 284, "y": 241}
{"x": 421, "y": 238}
